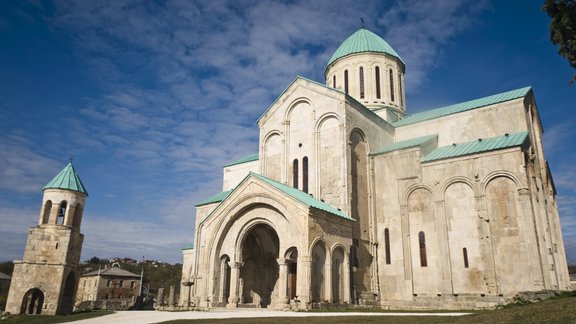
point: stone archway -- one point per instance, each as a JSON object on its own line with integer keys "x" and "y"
{"x": 260, "y": 271}
{"x": 33, "y": 302}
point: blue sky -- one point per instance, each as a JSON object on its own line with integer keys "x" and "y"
{"x": 152, "y": 98}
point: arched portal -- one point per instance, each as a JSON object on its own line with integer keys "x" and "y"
{"x": 67, "y": 305}
{"x": 32, "y": 302}
{"x": 260, "y": 272}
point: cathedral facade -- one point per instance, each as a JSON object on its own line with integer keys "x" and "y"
{"x": 351, "y": 200}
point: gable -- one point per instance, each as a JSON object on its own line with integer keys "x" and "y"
{"x": 297, "y": 197}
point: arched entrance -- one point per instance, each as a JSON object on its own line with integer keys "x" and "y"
{"x": 67, "y": 305}
{"x": 32, "y": 302}
{"x": 259, "y": 274}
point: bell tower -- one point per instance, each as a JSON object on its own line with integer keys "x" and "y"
{"x": 46, "y": 279}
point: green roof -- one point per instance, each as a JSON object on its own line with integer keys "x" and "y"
{"x": 463, "y": 106}
{"x": 214, "y": 199}
{"x": 188, "y": 246}
{"x": 67, "y": 179}
{"x": 362, "y": 41}
{"x": 302, "y": 197}
{"x": 477, "y": 146}
{"x": 406, "y": 144}
{"x": 249, "y": 158}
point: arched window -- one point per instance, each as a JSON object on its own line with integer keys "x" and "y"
{"x": 387, "y": 244}
{"x": 46, "y": 213}
{"x": 422, "y": 245}
{"x": 378, "y": 94}
{"x": 346, "y": 81}
{"x": 400, "y": 88}
{"x": 61, "y": 213}
{"x": 361, "y": 83}
{"x": 334, "y": 81}
{"x": 465, "y": 255}
{"x": 305, "y": 174}
{"x": 295, "y": 173}
{"x": 391, "y": 85}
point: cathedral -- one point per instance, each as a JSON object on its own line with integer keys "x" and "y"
{"x": 352, "y": 200}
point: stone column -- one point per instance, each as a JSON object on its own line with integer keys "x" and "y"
{"x": 160, "y": 297}
{"x": 223, "y": 278}
{"x": 346, "y": 277}
{"x": 304, "y": 279}
{"x": 171, "y": 294}
{"x": 282, "y": 282}
{"x": 328, "y": 278}
{"x": 234, "y": 278}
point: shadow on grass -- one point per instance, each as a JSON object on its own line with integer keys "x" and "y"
{"x": 48, "y": 319}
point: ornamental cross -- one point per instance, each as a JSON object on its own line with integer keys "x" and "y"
{"x": 362, "y": 22}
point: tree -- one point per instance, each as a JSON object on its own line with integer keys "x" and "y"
{"x": 563, "y": 28}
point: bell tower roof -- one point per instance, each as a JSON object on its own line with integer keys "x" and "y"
{"x": 362, "y": 41}
{"x": 67, "y": 179}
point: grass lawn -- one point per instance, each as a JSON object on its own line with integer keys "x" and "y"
{"x": 559, "y": 310}
{"x": 47, "y": 319}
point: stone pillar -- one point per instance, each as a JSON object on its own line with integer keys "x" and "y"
{"x": 328, "y": 278}
{"x": 52, "y": 219}
{"x": 234, "y": 280}
{"x": 171, "y": 294}
{"x": 282, "y": 282}
{"x": 346, "y": 277}
{"x": 160, "y": 297}
{"x": 223, "y": 283}
{"x": 304, "y": 279}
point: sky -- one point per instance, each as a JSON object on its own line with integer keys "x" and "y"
{"x": 153, "y": 98}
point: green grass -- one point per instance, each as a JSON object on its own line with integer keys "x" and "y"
{"x": 47, "y": 319}
{"x": 561, "y": 309}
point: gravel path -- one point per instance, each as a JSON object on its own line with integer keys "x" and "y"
{"x": 139, "y": 317}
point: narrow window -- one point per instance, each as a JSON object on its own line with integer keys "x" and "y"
{"x": 391, "y": 86}
{"x": 422, "y": 244}
{"x": 361, "y": 83}
{"x": 346, "y": 81}
{"x": 378, "y": 95}
{"x": 61, "y": 213}
{"x": 305, "y": 174}
{"x": 295, "y": 174}
{"x": 107, "y": 283}
{"x": 121, "y": 283}
{"x": 334, "y": 81}
{"x": 465, "y": 254}
{"x": 400, "y": 88}
{"x": 132, "y": 284}
{"x": 387, "y": 244}
{"x": 46, "y": 214}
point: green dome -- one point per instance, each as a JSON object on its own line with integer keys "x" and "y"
{"x": 363, "y": 41}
